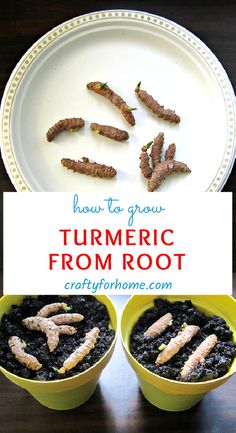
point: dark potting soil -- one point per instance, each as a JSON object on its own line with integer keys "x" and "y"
{"x": 145, "y": 349}
{"x": 95, "y": 314}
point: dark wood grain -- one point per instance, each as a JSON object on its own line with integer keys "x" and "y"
{"x": 116, "y": 407}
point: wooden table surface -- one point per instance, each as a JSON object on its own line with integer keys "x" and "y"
{"x": 117, "y": 405}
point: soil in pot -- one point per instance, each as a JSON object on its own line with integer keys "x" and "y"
{"x": 95, "y": 315}
{"x": 146, "y": 349}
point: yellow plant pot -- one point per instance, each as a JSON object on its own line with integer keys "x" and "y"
{"x": 67, "y": 393}
{"x": 164, "y": 393}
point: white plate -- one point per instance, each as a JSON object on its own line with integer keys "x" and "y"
{"x": 121, "y": 48}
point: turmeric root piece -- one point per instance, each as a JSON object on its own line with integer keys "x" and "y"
{"x": 170, "y": 152}
{"x": 176, "y": 343}
{"x": 145, "y": 162}
{"x": 52, "y": 308}
{"x": 199, "y": 355}
{"x": 17, "y": 349}
{"x": 66, "y": 319}
{"x": 72, "y": 124}
{"x": 46, "y": 326}
{"x": 89, "y": 168}
{"x": 104, "y": 90}
{"x": 157, "y": 149}
{"x": 164, "y": 169}
{"x": 155, "y": 107}
{"x": 66, "y": 330}
{"x": 110, "y": 132}
{"x": 83, "y": 350}
{"x": 158, "y": 327}
{"x": 159, "y": 170}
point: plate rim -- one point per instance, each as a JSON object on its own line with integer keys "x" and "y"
{"x": 36, "y": 49}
